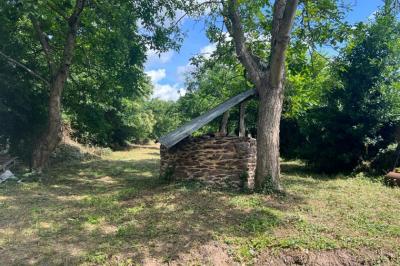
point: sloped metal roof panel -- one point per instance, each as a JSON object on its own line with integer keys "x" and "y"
{"x": 187, "y": 129}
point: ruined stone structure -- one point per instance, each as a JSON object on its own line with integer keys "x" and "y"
{"x": 218, "y": 161}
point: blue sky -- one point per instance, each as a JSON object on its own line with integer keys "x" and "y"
{"x": 167, "y": 70}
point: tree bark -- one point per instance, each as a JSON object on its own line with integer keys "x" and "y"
{"x": 53, "y": 134}
{"x": 242, "y": 113}
{"x": 269, "y": 116}
{"x": 269, "y": 84}
{"x": 223, "y": 130}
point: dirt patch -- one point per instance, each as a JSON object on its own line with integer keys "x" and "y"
{"x": 330, "y": 257}
{"x": 212, "y": 253}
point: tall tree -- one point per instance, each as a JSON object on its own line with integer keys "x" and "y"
{"x": 269, "y": 82}
{"x": 59, "y": 35}
{"x": 58, "y": 75}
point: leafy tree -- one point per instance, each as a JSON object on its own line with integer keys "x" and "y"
{"x": 212, "y": 82}
{"x": 261, "y": 33}
{"x": 362, "y": 106}
{"x": 308, "y": 77}
{"x": 138, "y": 121}
{"x": 22, "y": 113}
{"x": 166, "y": 116}
{"x": 221, "y": 75}
{"x": 98, "y": 44}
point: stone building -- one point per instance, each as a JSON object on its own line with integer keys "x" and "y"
{"x": 218, "y": 160}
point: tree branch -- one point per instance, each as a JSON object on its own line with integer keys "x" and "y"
{"x": 73, "y": 22}
{"x": 48, "y": 51}
{"x": 193, "y": 8}
{"x": 53, "y": 7}
{"x": 284, "y": 13}
{"x": 12, "y": 61}
{"x": 235, "y": 28}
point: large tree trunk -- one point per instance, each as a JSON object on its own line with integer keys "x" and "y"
{"x": 269, "y": 116}
{"x": 53, "y": 134}
{"x": 269, "y": 84}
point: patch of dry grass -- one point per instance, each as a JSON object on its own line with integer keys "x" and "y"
{"x": 115, "y": 211}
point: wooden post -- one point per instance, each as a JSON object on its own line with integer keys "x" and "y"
{"x": 223, "y": 130}
{"x": 242, "y": 127}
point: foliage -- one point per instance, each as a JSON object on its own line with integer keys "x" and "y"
{"x": 306, "y": 82}
{"x": 220, "y": 76}
{"x": 137, "y": 119}
{"x": 360, "y": 111}
{"x": 166, "y": 116}
{"x": 337, "y": 112}
{"x": 384, "y": 160}
{"x": 210, "y": 84}
{"x": 22, "y": 113}
{"x": 168, "y": 176}
{"x": 107, "y": 83}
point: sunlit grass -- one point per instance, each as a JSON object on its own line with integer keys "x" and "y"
{"x": 116, "y": 211}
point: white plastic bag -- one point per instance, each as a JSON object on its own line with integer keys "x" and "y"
{"x": 7, "y": 175}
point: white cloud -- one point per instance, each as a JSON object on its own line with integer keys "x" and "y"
{"x": 227, "y": 36}
{"x": 182, "y": 71}
{"x": 168, "y": 92}
{"x": 164, "y": 91}
{"x": 154, "y": 58}
{"x": 207, "y": 51}
{"x": 156, "y": 75}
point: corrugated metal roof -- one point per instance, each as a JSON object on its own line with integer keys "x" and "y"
{"x": 184, "y": 131}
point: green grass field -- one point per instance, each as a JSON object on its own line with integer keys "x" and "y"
{"x": 115, "y": 211}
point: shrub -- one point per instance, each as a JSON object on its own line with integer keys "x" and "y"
{"x": 362, "y": 107}
{"x": 384, "y": 160}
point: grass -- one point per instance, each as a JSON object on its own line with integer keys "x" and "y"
{"x": 116, "y": 211}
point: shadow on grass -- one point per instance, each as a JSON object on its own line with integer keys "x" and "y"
{"x": 140, "y": 146}
{"x": 302, "y": 176}
{"x": 300, "y": 169}
{"x": 91, "y": 211}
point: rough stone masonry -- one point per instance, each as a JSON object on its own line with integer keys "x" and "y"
{"x": 218, "y": 161}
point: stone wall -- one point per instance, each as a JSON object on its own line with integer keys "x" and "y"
{"x": 218, "y": 161}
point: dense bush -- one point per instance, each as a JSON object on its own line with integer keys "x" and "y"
{"x": 361, "y": 108}
{"x": 291, "y": 138}
{"x": 384, "y": 160}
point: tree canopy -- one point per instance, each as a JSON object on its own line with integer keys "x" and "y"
{"x": 106, "y": 89}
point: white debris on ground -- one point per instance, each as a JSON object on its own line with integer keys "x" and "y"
{"x": 7, "y": 175}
